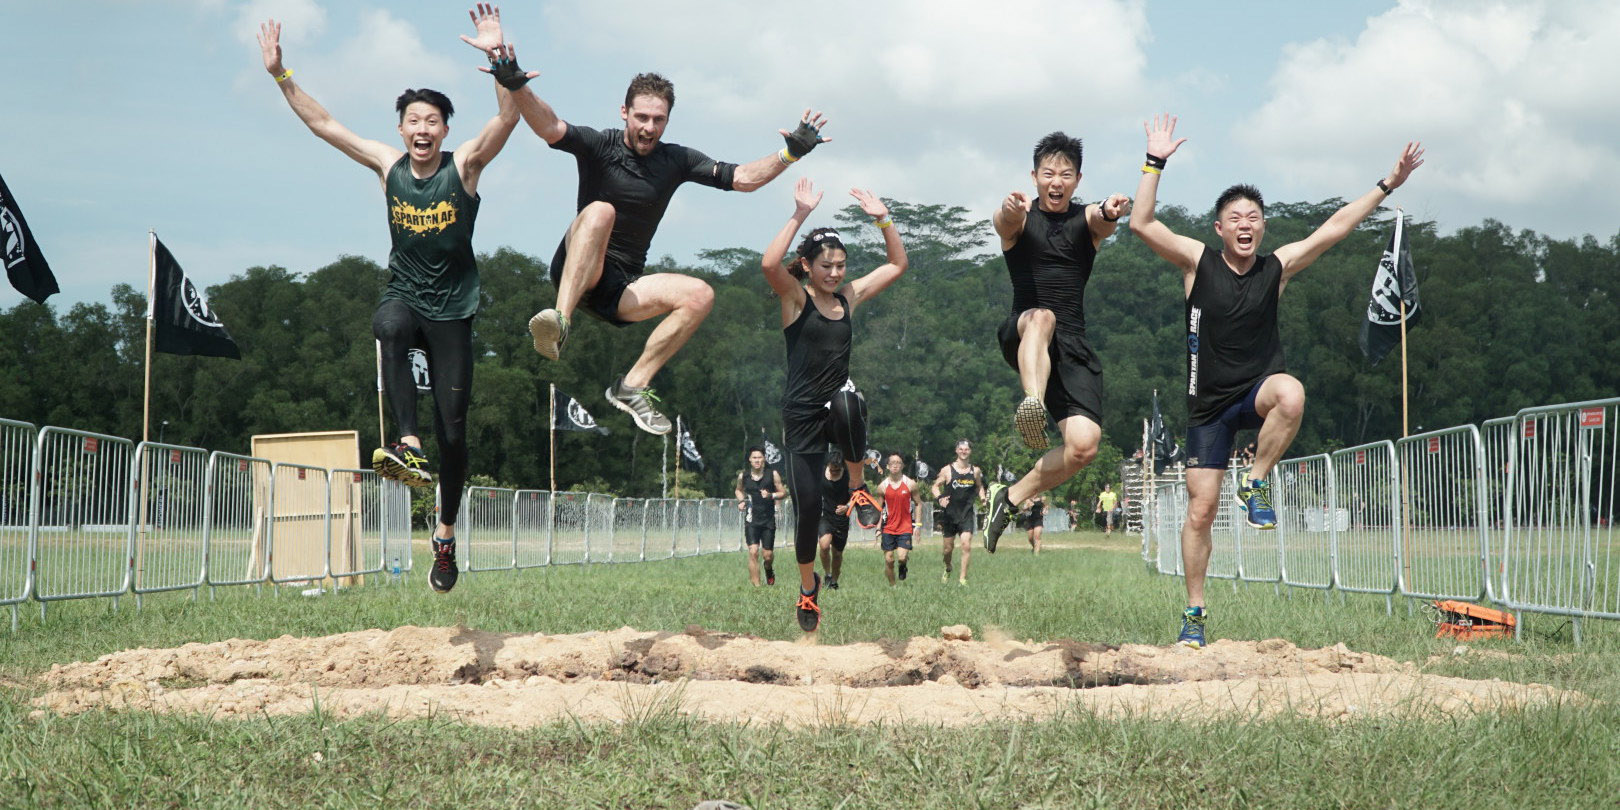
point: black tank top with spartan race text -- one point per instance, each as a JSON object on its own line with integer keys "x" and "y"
{"x": 817, "y": 357}
{"x": 430, "y": 221}
{"x": 1050, "y": 265}
{"x": 963, "y": 489}
{"x": 761, "y": 505}
{"x": 1232, "y": 335}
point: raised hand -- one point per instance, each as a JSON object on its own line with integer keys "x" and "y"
{"x": 805, "y": 196}
{"x": 1016, "y": 204}
{"x": 869, "y": 203}
{"x": 505, "y": 70}
{"x": 270, "y": 46}
{"x": 1410, "y": 159}
{"x": 486, "y": 17}
{"x": 1116, "y": 206}
{"x": 1161, "y": 136}
{"x": 808, "y": 134}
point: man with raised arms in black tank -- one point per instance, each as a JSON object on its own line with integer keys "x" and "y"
{"x": 1049, "y": 244}
{"x": 626, "y": 180}
{"x": 1236, "y": 379}
{"x": 819, "y": 404}
{"x": 433, "y": 291}
{"x": 758, "y": 490}
{"x": 958, "y": 489}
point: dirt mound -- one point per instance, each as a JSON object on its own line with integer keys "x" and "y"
{"x": 523, "y": 680}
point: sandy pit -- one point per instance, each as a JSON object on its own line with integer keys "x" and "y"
{"x": 518, "y": 680}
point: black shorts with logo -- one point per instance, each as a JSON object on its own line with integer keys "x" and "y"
{"x": 762, "y": 536}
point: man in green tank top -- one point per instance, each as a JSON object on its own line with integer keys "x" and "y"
{"x": 432, "y": 292}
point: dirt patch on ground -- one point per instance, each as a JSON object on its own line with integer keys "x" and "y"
{"x": 521, "y": 680}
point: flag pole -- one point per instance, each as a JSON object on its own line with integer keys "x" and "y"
{"x": 1400, "y": 244}
{"x": 663, "y": 469}
{"x": 151, "y": 282}
{"x": 382, "y": 438}
{"x": 551, "y": 419}
{"x": 678, "y": 451}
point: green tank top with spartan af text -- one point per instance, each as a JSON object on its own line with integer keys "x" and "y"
{"x": 430, "y": 222}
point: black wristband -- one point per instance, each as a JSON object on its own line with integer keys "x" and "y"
{"x": 508, "y": 74}
{"x": 1155, "y": 161}
{"x": 800, "y": 141}
{"x": 1386, "y": 189}
{"x": 1102, "y": 211}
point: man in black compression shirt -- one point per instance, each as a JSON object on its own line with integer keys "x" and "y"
{"x": 433, "y": 292}
{"x": 1235, "y": 371}
{"x": 626, "y": 179}
{"x": 1049, "y": 244}
{"x": 758, "y": 490}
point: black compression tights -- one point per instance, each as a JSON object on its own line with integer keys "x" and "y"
{"x": 448, "y": 345}
{"x": 805, "y": 471}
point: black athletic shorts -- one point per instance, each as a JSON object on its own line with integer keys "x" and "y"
{"x": 762, "y": 536}
{"x": 1210, "y": 445}
{"x": 601, "y": 301}
{"x": 952, "y": 525}
{"x": 1028, "y": 521}
{"x": 1075, "y": 385}
{"x": 890, "y": 542}
{"x": 838, "y": 527}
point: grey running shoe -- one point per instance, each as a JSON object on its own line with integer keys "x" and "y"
{"x": 639, "y": 404}
{"x": 1030, "y": 420}
{"x": 550, "y": 331}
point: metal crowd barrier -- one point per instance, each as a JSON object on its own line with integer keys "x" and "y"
{"x": 236, "y": 531}
{"x": 487, "y": 530}
{"x": 81, "y": 530}
{"x": 17, "y": 440}
{"x": 170, "y": 488}
{"x": 360, "y": 531}
{"x": 300, "y": 523}
{"x": 1444, "y": 554}
{"x": 532, "y": 528}
{"x": 1367, "y": 548}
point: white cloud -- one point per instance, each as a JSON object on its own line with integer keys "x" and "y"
{"x": 1510, "y": 100}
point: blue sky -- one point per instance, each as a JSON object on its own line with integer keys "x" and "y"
{"x": 124, "y": 116}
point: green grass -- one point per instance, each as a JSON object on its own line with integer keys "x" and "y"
{"x": 1556, "y": 756}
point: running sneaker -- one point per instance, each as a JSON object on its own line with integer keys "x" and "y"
{"x": 1241, "y": 493}
{"x": 902, "y": 570}
{"x": 809, "y": 612}
{"x": 1261, "y": 515}
{"x": 638, "y": 402}
{"x": 865, "y": 508}
{"x": 443, "y": 575}
{"x": 832, "y": 583}
{"x": 550, "y": 331}
{"x": 945, "y": 577}
{"x": 1030, "y": 420}
{"x": 1192, "y": 627}
{"x": 1000, "y": 514}
{"x": 403, "y": 463}
{"x": 770, "y": 575}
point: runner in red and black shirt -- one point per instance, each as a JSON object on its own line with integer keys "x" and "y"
{"x": 899, "y": 494}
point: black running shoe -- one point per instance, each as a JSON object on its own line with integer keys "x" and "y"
{"x": 902, "y": 570}
{"x": 832, "y": 583}
{"x": 1001, "y": 513}
{"x": 403, "y": 463}
{"x": 443, "y": 575}
{"x": 809, "y": 612}
{"x": 865, "y": 508}
{"x": 770, "y": 575}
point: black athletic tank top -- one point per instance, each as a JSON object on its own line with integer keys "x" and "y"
{"x": 430, "y": 221}
{"x": 834, "y": 493}
{"x": 1232, "y": 336}
{"x": 1050, "y": 265}
{"x": 963, "y": 489}
{"x": 817, "y": 356}
{"x": 761, "y": 507}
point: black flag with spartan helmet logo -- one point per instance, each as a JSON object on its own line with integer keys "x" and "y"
{"x": 182, "y": 321}
{"x": 25, "y": 264}
{"x": 691, "y": 459}
{"x": 1395, "y": 280}
{"x": 568, "y": 414}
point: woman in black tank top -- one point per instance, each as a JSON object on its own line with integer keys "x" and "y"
{"x": 819, "y": 404}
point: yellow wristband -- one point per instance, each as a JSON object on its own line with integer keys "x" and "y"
{"x": 1147, "y": 168}
{"x": 284, "y": 76}
{"x": 786, "y": 158}
{"x": 884, "y": 223}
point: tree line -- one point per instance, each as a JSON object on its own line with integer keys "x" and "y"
{"x": 1511, "y": 319}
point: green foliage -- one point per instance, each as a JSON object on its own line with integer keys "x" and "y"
{"x": 1511, "y": 320}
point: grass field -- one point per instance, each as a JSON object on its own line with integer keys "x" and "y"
{"x": 1089, "y": 588}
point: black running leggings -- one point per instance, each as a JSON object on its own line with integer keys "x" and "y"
{"x": 845, "y": 427}
{"x": 448, "y": 345}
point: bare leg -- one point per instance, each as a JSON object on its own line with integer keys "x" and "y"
{"x": 1035, "y": 533}
{"x": 888, "y": 566}
{"x": 837, "y": 568}
{"x": 587, "y": 249}
{"x": 824, "y": 542}
{"x": 1281, "y": 402}
{"x": 966, "y": 540}
{"x": 1034, "y": 337}
{"x": 1203, "y": 494}
{"x": 687, "y": 300}
{"x": 753, "y": 565}
{"x": 1080, "y": 439}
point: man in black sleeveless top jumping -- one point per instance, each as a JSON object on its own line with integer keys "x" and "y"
{"x": 1049, "y": 244}
{"x": 626, "y": 180}
{"x": 1236, "y": 378}
{"x": 433, "y": 291}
